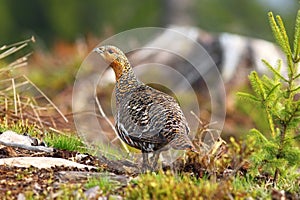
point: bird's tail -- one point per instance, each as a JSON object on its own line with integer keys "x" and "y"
{"x": 183, "y": 143}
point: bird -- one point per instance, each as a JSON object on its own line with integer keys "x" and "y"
{"x": 146, "y": 119}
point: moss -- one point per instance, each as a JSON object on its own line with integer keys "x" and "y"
{"x": 169, "y": 186}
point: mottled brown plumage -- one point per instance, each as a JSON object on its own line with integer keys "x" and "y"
{"x": 146, "y": 119}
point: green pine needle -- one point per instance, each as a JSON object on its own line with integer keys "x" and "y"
{"x": 297, "y": 39}
{"x": 272, "y": 69}
{"x": 276, "y": 95}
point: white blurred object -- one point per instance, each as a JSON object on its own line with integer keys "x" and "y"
{"x": 233, "y": 48}
{"x": 262, "y": 49}
{"x": 229, "y": 51}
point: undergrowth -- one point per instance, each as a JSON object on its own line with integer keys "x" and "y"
{"x": 277, "y": 155}
{"x": 21, "y": 101}
{"x": 104, "y": 183}
{"x": 69, "y": 142}
{"x": 169, "y": 186}
{"x": 19, "y": 127}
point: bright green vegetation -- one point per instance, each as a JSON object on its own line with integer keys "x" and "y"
{"x": 104, "y": 182}
{"x": 277, "y": 153}
{"x": 169, "y": 186}
{"x": 18, "y": 127}
{"x": 69, "y": 142}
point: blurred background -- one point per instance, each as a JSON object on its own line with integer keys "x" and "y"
{"x": 68, "y": 20}
{"x": 66, "y": 31}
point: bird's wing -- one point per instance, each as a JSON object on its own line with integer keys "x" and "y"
{"x": 149, "y": 115}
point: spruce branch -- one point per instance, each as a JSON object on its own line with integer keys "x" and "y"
{"x": 272, "y": 91}
{"x": 297, "y": 76}
{"x": 272, "y": 69}
{"x": 284, "y": 35}
{"x": 259, "y": 134}
{"x": 278, "y": 99}
{"x": 296, "y": 57}
{"x": 248, "y": 97}
{"x": 257, "y": 85}
{"x": 279, "y": 32}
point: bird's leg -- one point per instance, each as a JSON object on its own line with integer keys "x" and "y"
{"x": 145, "y": 166}
{"x": 155, "y": 158}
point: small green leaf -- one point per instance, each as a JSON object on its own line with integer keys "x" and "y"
{"x": 276, "y": 72}
{"x": 297, "y": 76}
{"x": 284, "y": 36}
{"x": 297, "y": 38}
{"x": 272, "y": 90}
{"x": 257, "y": 85}
{"x": 248, "y": 96}
{"x": 258, "y": 133}
{"x": 296, "y": 89}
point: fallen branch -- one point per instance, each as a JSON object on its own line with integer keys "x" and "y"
{"x": 24, "y": 146}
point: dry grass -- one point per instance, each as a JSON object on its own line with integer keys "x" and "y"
{"x": 21, "y": 101}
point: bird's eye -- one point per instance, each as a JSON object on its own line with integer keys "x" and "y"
{"x": 110, "y": 51}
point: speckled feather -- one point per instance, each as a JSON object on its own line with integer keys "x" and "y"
{"x": 146, "y": 118}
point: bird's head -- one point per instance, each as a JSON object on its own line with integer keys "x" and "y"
{"x": 115, "y": 58}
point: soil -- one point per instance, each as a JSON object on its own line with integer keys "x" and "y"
{"x": 14, "y": 181}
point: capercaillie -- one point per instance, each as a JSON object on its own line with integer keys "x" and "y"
{"x": 146, "y": 118}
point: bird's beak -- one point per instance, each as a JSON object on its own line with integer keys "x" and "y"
{"x": 98, "y": 50}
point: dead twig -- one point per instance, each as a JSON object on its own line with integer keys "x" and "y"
{"x": 110, "y": 124}
{"x": 31, "y": 148}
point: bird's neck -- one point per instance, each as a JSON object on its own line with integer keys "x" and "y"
{"x": 126, "y": 80}
{"x": 120, "y": 68}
